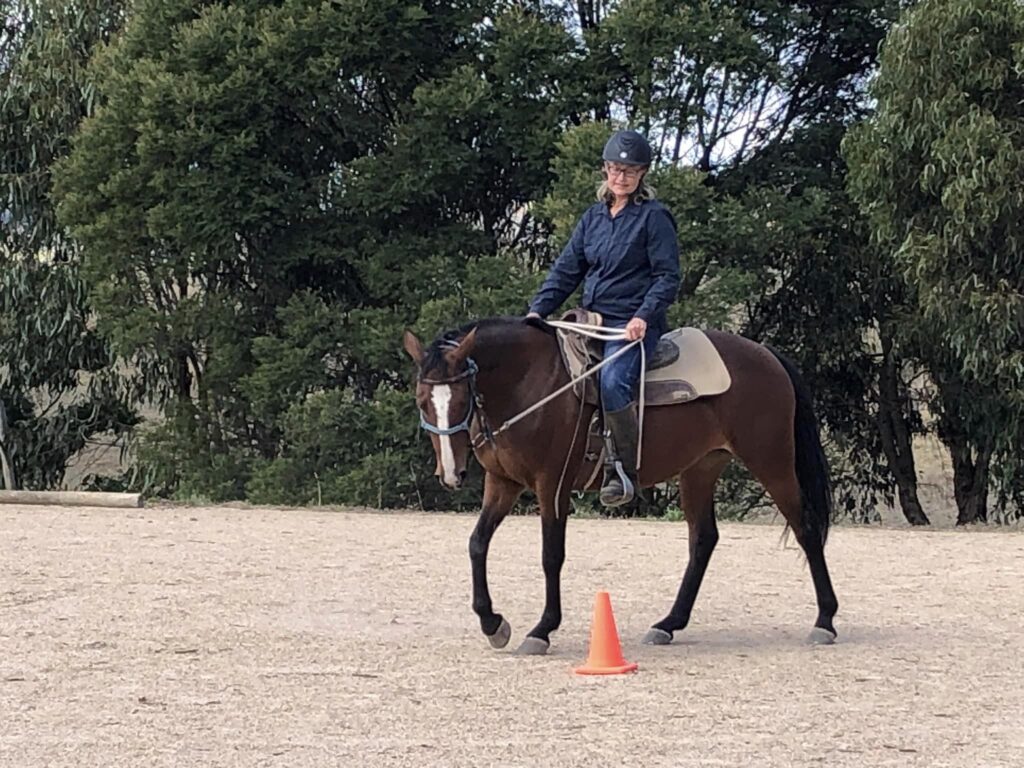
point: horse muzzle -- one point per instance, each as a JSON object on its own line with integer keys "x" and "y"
{"x": 452, "y": 482}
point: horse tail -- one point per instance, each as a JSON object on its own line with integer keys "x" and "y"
{"x": 811, "y": 466}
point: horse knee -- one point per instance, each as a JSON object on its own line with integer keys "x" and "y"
{"x": 477, "y": 547}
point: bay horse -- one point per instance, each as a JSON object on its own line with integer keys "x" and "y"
{"x": 491, "y": 370}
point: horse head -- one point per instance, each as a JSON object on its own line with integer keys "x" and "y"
{"x": 446, "y": 396}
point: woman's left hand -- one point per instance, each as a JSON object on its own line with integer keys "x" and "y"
{"x": 636, "y": 329}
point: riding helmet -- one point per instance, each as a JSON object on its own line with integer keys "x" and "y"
{"x": 628, "y": 148}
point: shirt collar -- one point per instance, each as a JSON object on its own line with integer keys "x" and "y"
{"x": 631, "y": 209}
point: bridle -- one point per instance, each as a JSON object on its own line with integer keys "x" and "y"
{"x": 474, "y": 400}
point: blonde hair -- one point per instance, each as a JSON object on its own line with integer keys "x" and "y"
{"x": 643, "y": 191}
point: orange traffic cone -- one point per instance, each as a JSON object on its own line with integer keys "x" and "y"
{"x": 605, "y": 652}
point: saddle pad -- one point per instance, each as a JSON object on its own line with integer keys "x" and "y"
{"x": 698, "y": 372}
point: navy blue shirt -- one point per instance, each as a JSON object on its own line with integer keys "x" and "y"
{"x": 629, "y": 265}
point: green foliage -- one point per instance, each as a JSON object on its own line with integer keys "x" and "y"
{"x": 936, "y": 171}
{"x": 57, "y": 384}
{"x": 184, "y": 458}
{"x": 268, "y": 195}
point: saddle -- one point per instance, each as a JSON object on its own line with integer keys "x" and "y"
{"x": 685, "y": 366}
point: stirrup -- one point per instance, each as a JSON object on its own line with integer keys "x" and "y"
{"x": 618, "y": 489}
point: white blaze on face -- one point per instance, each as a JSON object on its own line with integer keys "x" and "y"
{"x": 441, "y": 396}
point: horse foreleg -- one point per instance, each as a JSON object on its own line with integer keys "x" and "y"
{"x": 538, "y": 639}
{"x": 499, "y": 496}
{"x": 697, "y": 498}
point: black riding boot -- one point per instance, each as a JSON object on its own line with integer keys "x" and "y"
{"x": 621, "y": 435}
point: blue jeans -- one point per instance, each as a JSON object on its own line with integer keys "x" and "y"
{"x": 619, "y": 378}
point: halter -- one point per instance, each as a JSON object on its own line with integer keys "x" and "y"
{"x": 462, "y": 426}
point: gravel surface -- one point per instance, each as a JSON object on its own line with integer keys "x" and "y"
{"x": 262, "y": 637}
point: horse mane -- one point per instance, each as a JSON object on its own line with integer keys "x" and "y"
{"x": 489, "y": 329}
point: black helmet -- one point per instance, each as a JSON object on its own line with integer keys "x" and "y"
{"x": 628, "y": 148}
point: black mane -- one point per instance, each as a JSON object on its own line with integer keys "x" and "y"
{"x": 491, "y": 327}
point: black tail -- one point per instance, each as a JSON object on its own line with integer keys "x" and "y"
{"x": 811, "y": 466}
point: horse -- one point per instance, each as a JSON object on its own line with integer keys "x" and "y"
{"x": 491, "y": 370}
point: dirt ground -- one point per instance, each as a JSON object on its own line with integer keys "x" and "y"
{"x": 261, "y": 637}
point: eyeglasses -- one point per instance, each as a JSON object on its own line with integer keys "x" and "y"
{"x": 628, "y": 172}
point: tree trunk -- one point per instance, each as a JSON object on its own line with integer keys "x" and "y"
{"x": 970, "y": 456}
{"x": 183, "y": 375}
{"x": 970, "y": 480}
{"x": 897, "y": 441}
{"x": 6, "y": 463}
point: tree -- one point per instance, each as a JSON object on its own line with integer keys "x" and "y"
{"x": 57, "y": 390}
{"x": 268, "y": 194}
{"x": 937, "y": 173}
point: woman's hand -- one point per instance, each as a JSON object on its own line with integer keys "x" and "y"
{"x": 636, "y": 329}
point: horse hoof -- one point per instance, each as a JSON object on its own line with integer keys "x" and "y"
{"x": 501, "y": 635}
{"x": 657, "y": 636}
{"x": 821, "y": 636}
{"x": 533, "y": 646}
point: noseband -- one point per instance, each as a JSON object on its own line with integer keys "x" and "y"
{"x": 462, "y": 426}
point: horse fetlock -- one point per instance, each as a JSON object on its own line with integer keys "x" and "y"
{"x": 826, "y": 611}
{"x": 549, "y": 622}
{"x": 482, "y": 607}
{"x": 825, "y": 622}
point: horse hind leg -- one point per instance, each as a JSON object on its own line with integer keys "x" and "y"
{"x": 784, "y": 488}
{"x": 696, "y": 497}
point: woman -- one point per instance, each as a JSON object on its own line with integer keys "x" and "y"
{"x": 625, "y": 253}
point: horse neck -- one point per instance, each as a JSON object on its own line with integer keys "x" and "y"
{"x": 517, "y": 368}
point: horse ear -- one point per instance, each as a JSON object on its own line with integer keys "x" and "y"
{"x": 413, "y": 346}
{"x": 462, "y": 351}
